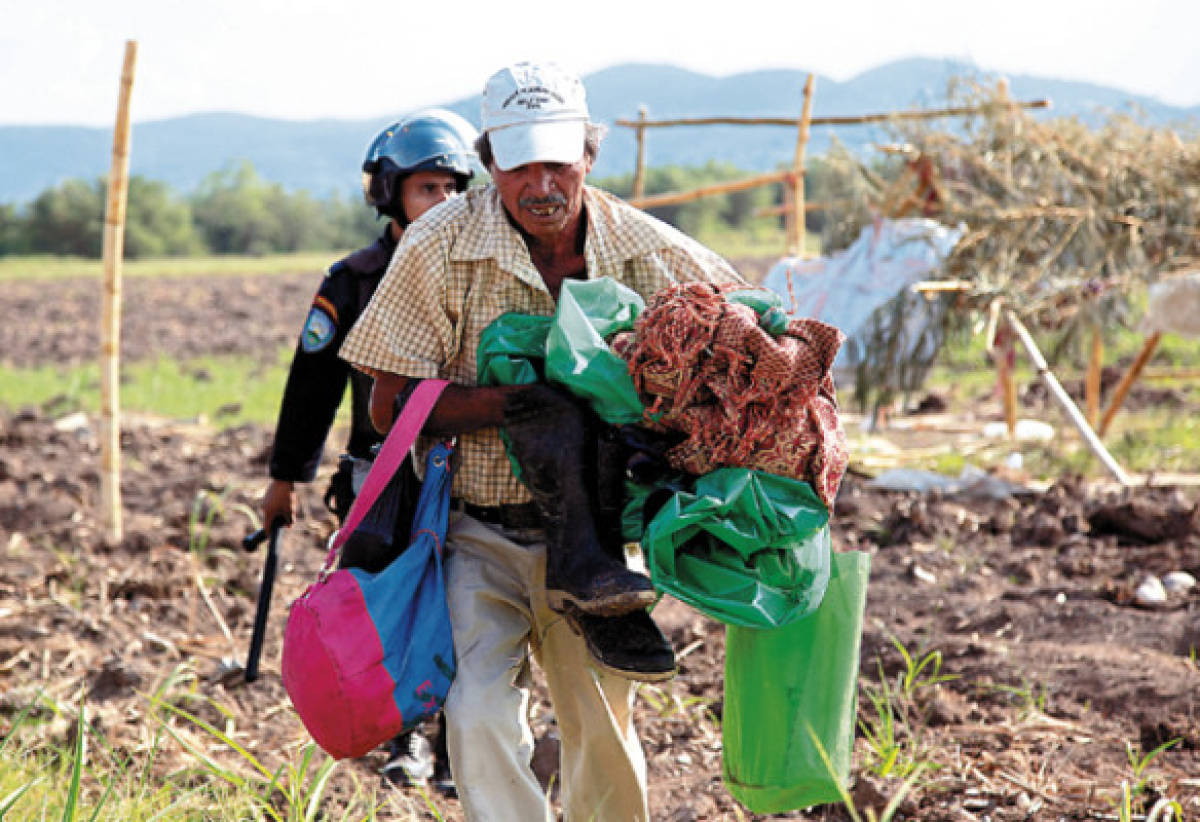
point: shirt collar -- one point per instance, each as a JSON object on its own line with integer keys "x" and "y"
{"x": 490, "y": 236}
{"x": 611, "y": 239}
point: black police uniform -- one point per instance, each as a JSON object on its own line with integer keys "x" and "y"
{"x": 317, "y": 379}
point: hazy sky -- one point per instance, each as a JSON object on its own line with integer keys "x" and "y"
{"x": 60, "y": 60}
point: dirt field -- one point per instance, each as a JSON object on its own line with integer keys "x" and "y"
{"x": 1056, "y": 672}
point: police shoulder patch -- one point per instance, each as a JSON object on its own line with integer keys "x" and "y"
{"x": 318, "y": 331}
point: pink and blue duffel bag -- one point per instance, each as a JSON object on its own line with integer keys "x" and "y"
{"x": 368, "y": 656}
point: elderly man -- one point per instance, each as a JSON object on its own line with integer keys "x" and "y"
{"x": 508, "y": 247}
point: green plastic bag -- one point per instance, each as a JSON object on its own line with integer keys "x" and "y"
{"x": 745, "y": 547}
{"x": 512, "y": 349}
{"x": 772, "y": 317}
{"x": 786, "y": 689}
{"x": 577, "y": 355}
{"x": 569, "y": 348}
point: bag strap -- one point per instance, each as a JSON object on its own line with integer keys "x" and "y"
{"x": 399, "y": 440}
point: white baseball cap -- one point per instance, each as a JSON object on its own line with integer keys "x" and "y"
{"x": 534, "y": 113}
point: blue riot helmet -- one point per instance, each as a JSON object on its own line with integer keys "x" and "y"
{"x": 429, "y": 140}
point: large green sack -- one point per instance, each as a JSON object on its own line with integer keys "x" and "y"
{"x": 745, "y": 547}
{"x": 785, "y": 687}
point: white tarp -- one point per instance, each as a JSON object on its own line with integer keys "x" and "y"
{"x": 846, "y": 288}
{"x": 1173, "y": 306}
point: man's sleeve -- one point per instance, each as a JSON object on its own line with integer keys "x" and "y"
{"x": 684, "y": 262}
{"x": 693, "y": 262}
{"x": 315, "y": 384}
{"x": 405, "y": 329}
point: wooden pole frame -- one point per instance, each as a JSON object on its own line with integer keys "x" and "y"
{"x": 673, "y": 198}
{"x": 1091, "y": 383}
{"x": 639, "y": 172}
{"x": 1128, "y": 379}
{"x": 796, "y": 239}
{"x": 793, "y": 192}
{"x": 110, "y": 347}
{"x": 1064, "y": 400}
{"x": 837, "y": 120}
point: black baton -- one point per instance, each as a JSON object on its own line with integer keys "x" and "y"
{"x": 250, "y": 543}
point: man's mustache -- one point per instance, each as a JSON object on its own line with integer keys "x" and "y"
{"x": 538, "y": 202}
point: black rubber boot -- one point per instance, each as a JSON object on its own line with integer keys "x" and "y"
{"x": 608, "y": 498}
{"x": 548, "y": 434}
{"x": 630, "y": 645}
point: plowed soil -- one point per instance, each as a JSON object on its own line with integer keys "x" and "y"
{"x": 1057, "y": 681}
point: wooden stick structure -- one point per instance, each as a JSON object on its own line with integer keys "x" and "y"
{"x": 110, "y": 348}
{"x": 1170, "y": 374}
{"x": 707, "y": 191}
{"x": 785, "y": 209}
{"x": 1008, "y": 387}
{"x": 934, "y": 286}
{"x": 1091, "y": 383}
{"x": 839, "y": 120}
{"x": 639, "y": 174}
{"x": 1064, "y": 400}
{"x": 796, "y": 238}
{"x": 1128, "y": 379}
{"x": 1000, "y": 353}
{"x": 794, "y": 208}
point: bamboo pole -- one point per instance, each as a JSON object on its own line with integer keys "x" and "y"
{"x": 708, "y": 191}
{"x": 1008, "y": 388}
{"x": 1091, "y": 384}
{"x": 1000, "y": 351}
{"x": 1168, "y": 374}
{"x": 836, "y": 120}
{"x": 786, "y": 209}
{"x": 110, "y": 348}
{"x": 1056, "y": 390}
{"x": 1128, "y": 379}
{"x": 797, "y": 238}
{"x": 929, "y": 286}
{"x": 639, "y": 171}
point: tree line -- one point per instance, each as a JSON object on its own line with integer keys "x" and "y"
{"x": 236, "y": 211}
{"x": 232, "y": 211}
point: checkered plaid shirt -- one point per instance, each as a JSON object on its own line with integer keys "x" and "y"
{"x": 463, "y": 264}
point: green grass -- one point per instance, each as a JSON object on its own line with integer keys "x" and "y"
{"x": 226, "y": 390}
{"x": 769, "y": 243}
{"x": 1144, "y": 439}
{"x": 56, "y": 765}
{"x": 48, "y": 267}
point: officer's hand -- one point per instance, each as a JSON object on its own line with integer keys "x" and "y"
{"x": 279, "y": 502}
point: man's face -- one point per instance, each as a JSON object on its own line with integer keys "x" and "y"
{"x": 545, "y": 199}
{"x": 422, "y": 190}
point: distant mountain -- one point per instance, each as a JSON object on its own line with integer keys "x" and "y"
{"x": 323, "y": 156}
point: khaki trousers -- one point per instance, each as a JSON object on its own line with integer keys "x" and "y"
{"x": 495, "y": 583}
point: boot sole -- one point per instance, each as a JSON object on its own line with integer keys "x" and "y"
{"x": 635, "y": 676}
{"x": 609, "y": 606}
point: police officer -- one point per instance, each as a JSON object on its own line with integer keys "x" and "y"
{"x": 411, "y": 166}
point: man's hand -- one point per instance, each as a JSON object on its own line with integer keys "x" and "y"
{"x": 279, "y": 503}
{"x": 383, "y": 399}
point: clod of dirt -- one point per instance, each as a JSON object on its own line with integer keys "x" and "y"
{"x": 1144, "y": 521}
{"x": 114, "y": 679}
